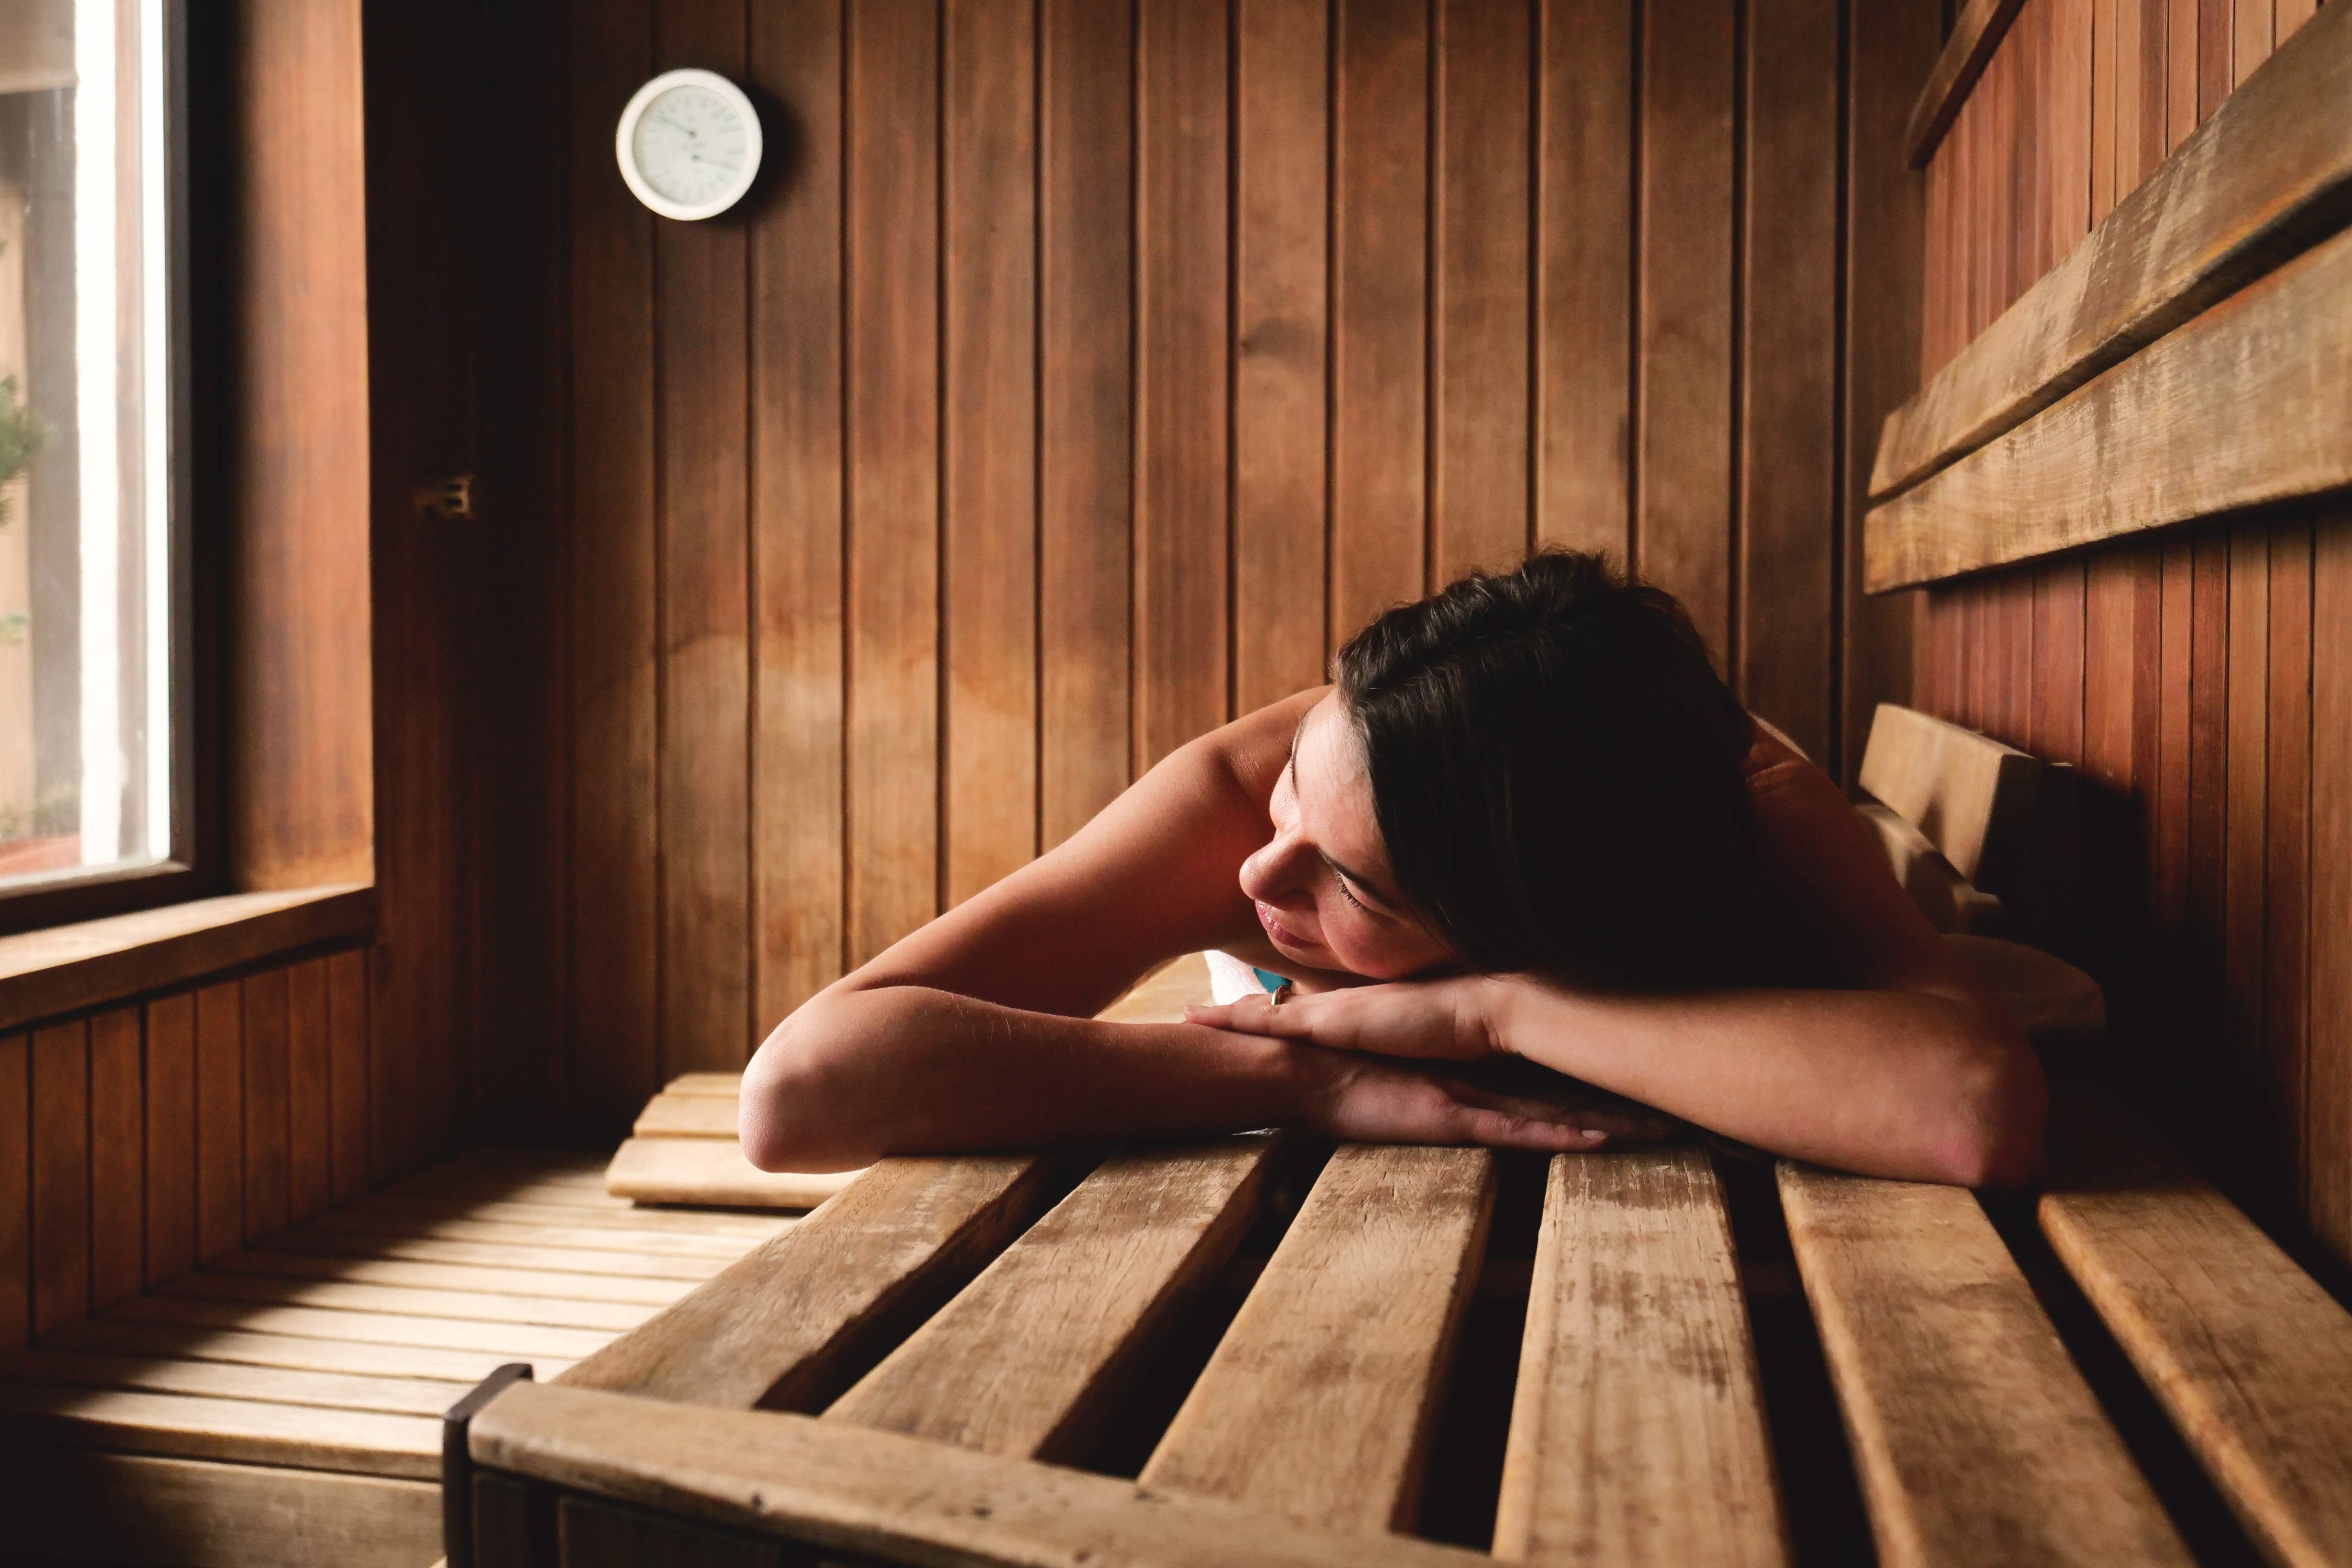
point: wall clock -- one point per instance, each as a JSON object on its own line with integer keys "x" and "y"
{"x": 688, "y": 144}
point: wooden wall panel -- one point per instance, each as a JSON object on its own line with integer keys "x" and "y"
{"x": 132, "y": 1134}
{"x": 1097, "y": 367}
{"x": 2193, "y": 676}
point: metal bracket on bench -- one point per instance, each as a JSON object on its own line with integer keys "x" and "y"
{"x": 458, "y": 1462}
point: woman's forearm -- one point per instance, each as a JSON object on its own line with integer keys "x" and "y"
{"x": 856, "y": 1074}
{"x": 1903, "y": 1084}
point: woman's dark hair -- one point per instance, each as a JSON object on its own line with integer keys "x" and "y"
{"x": 1557, "y": 770}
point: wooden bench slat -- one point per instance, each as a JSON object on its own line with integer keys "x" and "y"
{"x": 691, "y": 1268}
{"x": 223, "y": 1380}
{"x": 730, "y": 1084}
{"x": 884, "y": 1497}
{"x": 245, "y": 1431}
{"x": 341, "y": 1295}
{"x": 440, "y": 1182}
{"x": 517, "y": 1279}
{"x": 712, "y": 1171}
{"x": 2248, "y": 1355}
{"x": 1977, "y": 1440}
{"x": 626, "y": 1219}
{"x": 1637, "y": 1431}
{"x": 510, "y": 1340}
{"x": 1021, "y": 1362}
{"x": 645, "y": 1242}
{"x": 591, "y": 1534}
{"x": 1967, "y": 793}
{"x": 668, "y": 1115}
{"x": 779, "y": 1325}
{"x": 1318, "y": 1403}
{"x": 359, "y": 1357}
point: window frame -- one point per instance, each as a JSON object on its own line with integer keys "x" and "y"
{"x": 189, "y": 870}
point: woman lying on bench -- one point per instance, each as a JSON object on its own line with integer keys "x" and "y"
{"x": 1529, "y": 825}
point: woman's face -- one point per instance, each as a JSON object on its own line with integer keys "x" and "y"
{"x": 1322, "y": 884}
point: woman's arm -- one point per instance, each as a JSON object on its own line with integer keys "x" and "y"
{"x": 1912, "y": 1073}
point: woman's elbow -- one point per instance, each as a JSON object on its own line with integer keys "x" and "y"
{"x": 1995, "y": 1137}
{"x": 794, "y": 1112}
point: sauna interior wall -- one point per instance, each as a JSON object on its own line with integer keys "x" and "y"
{"x": 2200, "y": 679}
{"x": 1083, "y": 370}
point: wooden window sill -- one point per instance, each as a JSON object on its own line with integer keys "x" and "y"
{"x": 73, "y": 968}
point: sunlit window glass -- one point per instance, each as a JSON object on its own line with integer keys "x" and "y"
{"x": 85, "y": 502}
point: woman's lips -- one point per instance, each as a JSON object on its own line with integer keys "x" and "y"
{"x": 1268, "y": 918}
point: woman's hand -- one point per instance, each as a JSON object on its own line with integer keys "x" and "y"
{"x": 1449, "y": 1019}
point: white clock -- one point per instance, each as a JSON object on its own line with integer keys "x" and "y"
{"x": 688, "y": 144}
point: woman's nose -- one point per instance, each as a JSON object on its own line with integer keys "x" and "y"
{"x": 1278, "y": 871}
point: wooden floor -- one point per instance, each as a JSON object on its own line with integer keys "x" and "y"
{"x": 282, "y": 1404}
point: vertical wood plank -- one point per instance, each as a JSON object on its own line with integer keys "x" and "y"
{"x": 2059, "y": 654}
{"x": 2245, "y": 828}
{"x": 892, "y": 256}
{"x": 2180, "y": 70}
{"x": 1180, "y": 379}
{"x": 703, "y": 379}
{"x": 2070, "y": 97}
{"x": 1787, "y": 370}
{"x": 171, "y": 1113}
{"x": 267, "y": 1124}
{"x": 797, "y": 824}
{"x": 2209, "y": 770}
{"x": 2216, "y": 71}
{"x": 61, "y": 1176}
{"x": 1682, "y": 527}
{"x": 16, "y": 1191}
{"x": 2143, "y": 111}
{"x": 988, "y": 502}
{"x": 1584, "y": 274}
{"x": 118, "y": 1197}
{"x": 1479, "y": 472}
{"x": 1086, "y": 456}
{"x": 2169, "y": 798}
{"x": 347, "y": 1064}
{"x": 1281, "y": 339}
{"x": 2329, "y": 1132}
{"x": 1379, "y": 318}
{"x": 616, "y": 811}
{"x": 310, "y": 1091}
{"x": 2253, "y": 22}
{"x": 2291, "y": 14}
{"x": 2103, "y": 105}
{"x": 2107, "y": 637}
{"x": 220, "y": 1120}
{"x": 2286, "y": 884}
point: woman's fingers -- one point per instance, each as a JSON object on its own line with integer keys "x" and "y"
{"x": 1423, "y": 1019}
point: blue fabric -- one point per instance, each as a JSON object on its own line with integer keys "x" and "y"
{"x": 1272, "y": 982}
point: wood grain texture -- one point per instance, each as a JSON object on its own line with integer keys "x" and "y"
{"x": 269, "y": 1125}
{"x": 2215, "y": 417}
{"x": 711, "y": 1171}
{"x": 1086, "y": 144}
{"x": 1976, "y": 1438}
{"x": 989, "y": 434}
{"x": 1319, "y": 1402}
{"x": 16, "y": 1191}
{"x": 1787, "y": 371}
{"x": 2262, "y": 180}
{"x": 520, "y": 1273}
{"x": 881, "y": 1494}
{"x": 593, "y": 1535}
{"x": 1977, "y": 35}
{"x": 2251, "y": 1358}
{"x": 74, "y": 968}
{"x": 1282, "y": 213}
{"x": 1684, "y": 430}
{"x": 140, "y": 1509}
{"x": 118, "y": 1167}
{"x": 223, "y": 1380}
{"x": 776, "y": 1327}
{"x": 1584, "y": 274}
{"x": 2242, "y": 896}
{"x": 2328, "y": 1133}
{"x": 798, "y": 862}
{"x": 302, "y": 1352}
{"x": 1028, "y": 1360}
{"x": 389, "y": 1330}
{"x": 1970, "y": 794}
{"x": 220, "y": 1120}
{"x": 489, "y": 1305}
{"x": 1379, "y": 310}
{"x": 891, "y": 192}
{"x": 61, "y": 1150}
{"x": 1479, "y": 461}
{"x": 310, "y": 1091}
{"x": 242, "y": 1431}
{"x": 1181, "y": 627}
{"x": 171, "y": 1108}
{"x": 350, "y": 1045}
{"x": 2286, "y": 881}
{"x": 1635, "y": 1308}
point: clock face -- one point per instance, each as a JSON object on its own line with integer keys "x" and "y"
{"x": 688, "y": 144}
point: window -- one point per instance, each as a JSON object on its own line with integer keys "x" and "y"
{"x": 92, "y": 691}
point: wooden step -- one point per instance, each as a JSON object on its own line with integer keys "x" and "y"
{"x": 2251, "y": 1358}
{"x": 712, "y": 1171}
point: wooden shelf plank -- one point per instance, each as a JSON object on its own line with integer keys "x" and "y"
{"x": 385, "y": 1228}
{"x": 879, "y": 1496}
{"x": 518, "y": 1275}
{"x": 510, "y": 1340}
{"x": 432, "y": 1301}
{"x": 1023, "y": 1362}
{"x": 1635, "y": 1312}
{"x": 2268, "y": 176}
{"x": 228, "y": 1379}
{"x": 1977, "y": 1441}
{"x": 712, "y": 1171}
{"x": 1319, "y": 1402}
{"x": 240, "y": 1430}
{"x": 300, "y": 1353}
{"x": 2241, "y": 407}
{"x": 2248, "y": 1355}
{"x": 692, "y": 1268}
